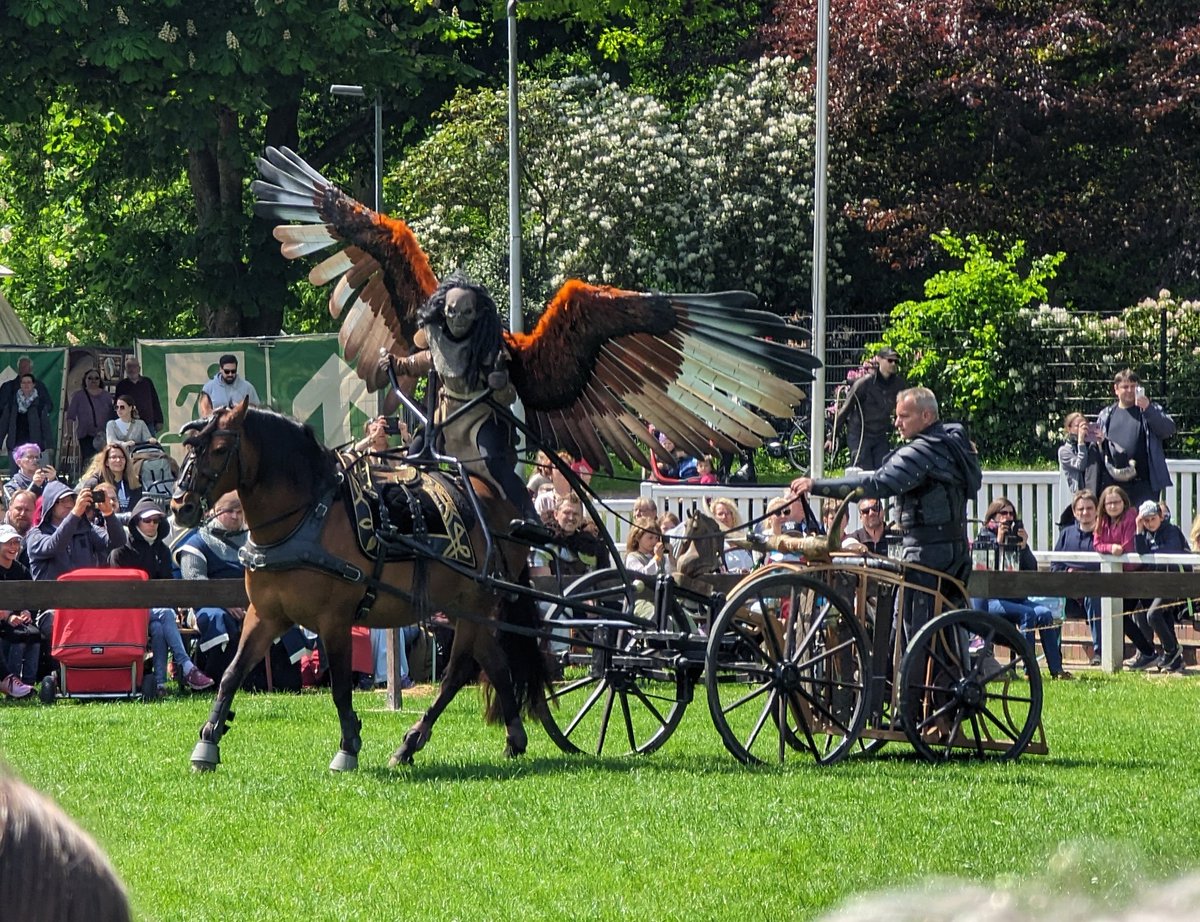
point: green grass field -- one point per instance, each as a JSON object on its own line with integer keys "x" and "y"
{"x": 685, "y": 833}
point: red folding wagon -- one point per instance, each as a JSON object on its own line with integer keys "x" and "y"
{"x": 101, "y": 652}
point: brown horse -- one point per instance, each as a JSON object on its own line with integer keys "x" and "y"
{"x": 311, "y": 572}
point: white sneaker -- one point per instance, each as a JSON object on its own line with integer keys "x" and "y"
{"x": 14, "y": 687}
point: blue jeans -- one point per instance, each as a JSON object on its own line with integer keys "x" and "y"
{"x": 164, "y": 636}
{"x": 1029, "y": 618}
{"x": 379, "y": 650}
{"x": 20, "y": 659}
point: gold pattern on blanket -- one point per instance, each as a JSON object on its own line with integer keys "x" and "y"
{"x": 447, "y": 533}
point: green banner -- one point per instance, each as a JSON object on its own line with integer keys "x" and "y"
{"x": 49, "y": 367}
{"x": 302, "y": 376}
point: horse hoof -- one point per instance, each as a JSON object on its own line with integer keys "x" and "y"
{"x": 344, "y": 762}
{"x": 400, "y": 758}
{"x": 513, "y": 752}
{"x": 206, "y": 756}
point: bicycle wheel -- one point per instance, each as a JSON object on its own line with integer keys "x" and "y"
{"x": 796, "y": 444}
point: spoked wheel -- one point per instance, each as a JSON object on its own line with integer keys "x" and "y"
{"x": 795, "y": 444}
{"x": 622, "y": 689}
{"x": 787, "y": 655}
{"x": 970, "y": 682}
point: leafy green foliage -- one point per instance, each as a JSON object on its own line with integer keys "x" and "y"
{"x": 130, "y": 148}
{"x": 968, "y": 341}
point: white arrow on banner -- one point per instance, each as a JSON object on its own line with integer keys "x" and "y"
{"x": 332, "y": 390}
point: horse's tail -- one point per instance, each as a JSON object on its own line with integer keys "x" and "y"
{"x": 526, "y": 659}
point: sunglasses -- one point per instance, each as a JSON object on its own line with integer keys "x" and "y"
{"x": 229, "y": 371}
{"x": 863, "y": 510}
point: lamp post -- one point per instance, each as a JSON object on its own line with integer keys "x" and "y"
{"x": 516, "y": 321}
{"x": 352, "y": 89}
{"x": 394, "y": 695}
{"x": 820, "y": 186}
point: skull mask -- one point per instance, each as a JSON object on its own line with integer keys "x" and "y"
{"x": 460, "y": 311}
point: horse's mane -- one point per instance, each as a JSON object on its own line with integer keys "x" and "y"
{"x": 288, "y": 450}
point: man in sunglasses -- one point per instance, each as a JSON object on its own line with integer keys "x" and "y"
{"x": 866, "y": 413}
{"x": 226, "y": 389}
{"x": 872, "y": 536}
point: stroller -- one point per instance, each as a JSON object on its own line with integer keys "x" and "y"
{"x": 156, "y": 470}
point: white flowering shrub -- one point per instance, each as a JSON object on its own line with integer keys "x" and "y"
{"x": 617, "y": 188}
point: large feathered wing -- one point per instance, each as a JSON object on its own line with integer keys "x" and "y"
{"x": 382, "y": 274}
{"x": 703, "y": 369}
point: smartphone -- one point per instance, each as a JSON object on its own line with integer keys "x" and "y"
{"x": 391, "y": 425}
{"x": 1141, "y": 391}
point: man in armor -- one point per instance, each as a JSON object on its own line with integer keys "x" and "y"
{"x": 463, "y": 342}
{"x": 932, "y": 477}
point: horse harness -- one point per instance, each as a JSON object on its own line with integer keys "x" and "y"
{"x": 398, "y": 513}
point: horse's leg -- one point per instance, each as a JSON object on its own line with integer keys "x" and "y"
{"x": 337, "y": 648}
{"x": 255, "y": 643}
{"x": 461, "y": 668}
{"x": 495, "y": 663}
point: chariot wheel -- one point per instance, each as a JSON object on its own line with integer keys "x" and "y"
{"x": 786, "y": 670}
{"x": 795, "y": 444}
{"x": 969, "y": 682}
{"x": 623, "y": 689}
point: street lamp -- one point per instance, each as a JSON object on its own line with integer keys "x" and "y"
{"x": 516, "y": 319}
{"x": 351, "y": 89}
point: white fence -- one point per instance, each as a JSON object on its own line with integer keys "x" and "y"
{"x": 1040, "y": 498}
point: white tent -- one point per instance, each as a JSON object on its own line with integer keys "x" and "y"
{"x": 12, "y": 330}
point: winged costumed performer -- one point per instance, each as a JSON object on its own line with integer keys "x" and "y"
{"x": 601, "y": 365}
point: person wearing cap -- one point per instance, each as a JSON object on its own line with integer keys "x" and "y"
{"x": 147, "y": 551}
{"x": 143, "y": 393}
{"x": 20, "y": 640}
{"x": 1157, "y": 617}
{"x": 866, "y": 413}
{"x": 226, "y": 389}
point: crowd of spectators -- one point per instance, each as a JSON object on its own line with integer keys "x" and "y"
{"x": 51, "y": 528}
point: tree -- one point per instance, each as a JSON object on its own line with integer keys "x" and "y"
{"x": 132, "y": 140}
{"x": 969, "y": 342}
{"x": 619, "y": 189}
{"x": 1071, "y": 124}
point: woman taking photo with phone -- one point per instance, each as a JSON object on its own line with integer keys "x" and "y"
{"x": 1005, "y": 534}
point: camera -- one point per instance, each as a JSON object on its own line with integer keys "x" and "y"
{"x": 391, "y": 425}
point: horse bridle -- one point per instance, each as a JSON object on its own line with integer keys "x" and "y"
{"x": 187, "y": 480}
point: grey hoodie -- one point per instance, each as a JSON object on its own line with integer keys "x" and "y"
{"x": 75, "y": 543}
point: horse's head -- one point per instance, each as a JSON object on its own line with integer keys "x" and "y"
{"x": 213, "y": 464}
{"x": 702, "y": 545}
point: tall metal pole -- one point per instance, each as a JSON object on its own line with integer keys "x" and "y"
{"x": 820, "y": 184}
{"x": 378, "y": 150}
{"x": 516, "y": 321}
